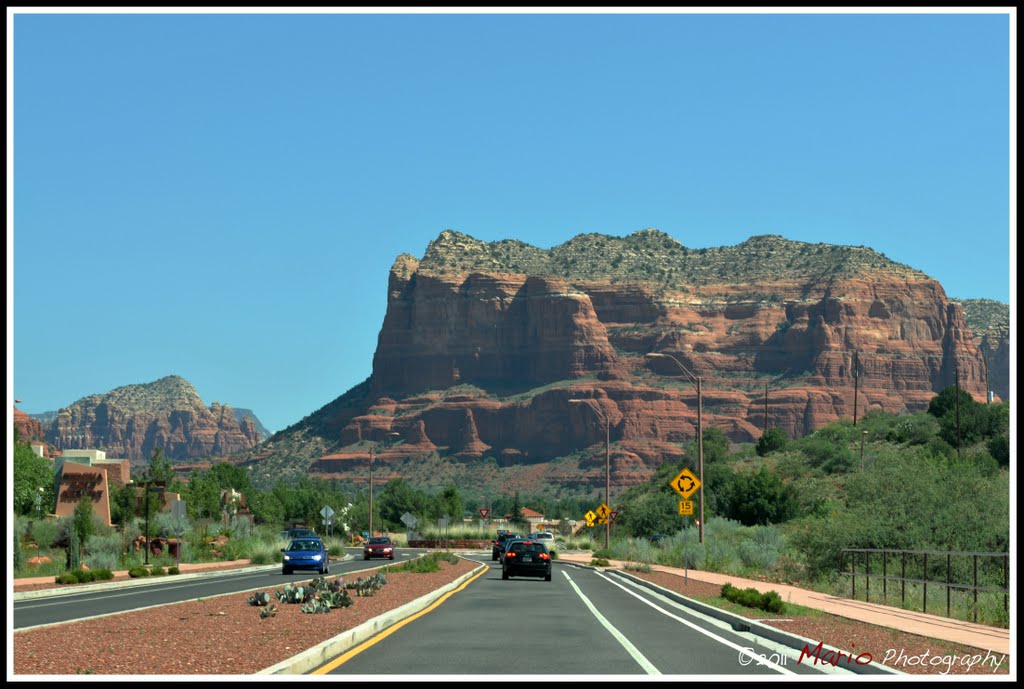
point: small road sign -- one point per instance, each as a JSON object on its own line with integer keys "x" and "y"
{"x": 590, "y": 517}
{"x": 686, "y": 508}
{"x": 484, "y": 511}
{"x": 327, "y": 513}
{"x": 409, "y": 520}
{"x": 603, "y": 510}
{"x": 686, "y": 484}
{"x": 612, "y": 516}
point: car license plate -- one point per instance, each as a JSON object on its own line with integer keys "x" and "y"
{"x": 527, "y": 559}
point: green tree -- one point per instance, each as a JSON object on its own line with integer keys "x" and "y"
{"x": 160, "y": 469}
{"x": 771, "y": 440}
{"x": 83, "y": 522}
{"x": 450, "y": 502}
{"x": 397, "y": 498}
{"x": 761, "y": 498}
{"x": 202, "y": 496}
{"x": 266, "y": 508}
{"x": 227, "y": 475}
{"x": 651, "y": 513}
{"x": 31, "y": 472}
{"x": 716, "y": 445}
{"x": 945, "y": 402}
{"x": 122, "y": 504}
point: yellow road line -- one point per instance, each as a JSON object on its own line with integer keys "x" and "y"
{"x": 348, "y": 655}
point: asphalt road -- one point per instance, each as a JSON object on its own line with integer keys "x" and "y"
{"x": 70, "y": 607}
{"x": 583, "y": 622}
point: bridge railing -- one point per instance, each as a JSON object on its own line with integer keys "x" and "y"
{"x": 956, "y": 565}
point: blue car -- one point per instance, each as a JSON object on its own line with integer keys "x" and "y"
{"x": 305, "y": 553}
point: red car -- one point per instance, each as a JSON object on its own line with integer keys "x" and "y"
{"x": 379, "y": 546}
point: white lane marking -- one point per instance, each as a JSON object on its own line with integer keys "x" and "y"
{"x": 630, "y": 648}
{"x": 747, "y": 652}
{"x": 142, "y": 590}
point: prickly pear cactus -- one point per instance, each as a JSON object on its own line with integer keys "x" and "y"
{"x": 259, "y": 598}
{"x": 268, "y": 612}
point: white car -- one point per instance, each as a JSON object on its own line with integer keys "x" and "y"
{"x": 545, "y": 537}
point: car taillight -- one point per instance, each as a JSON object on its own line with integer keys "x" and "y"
{"x": 545, "y": 556}
{"x": 510, "y": 554}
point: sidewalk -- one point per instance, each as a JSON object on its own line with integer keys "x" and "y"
{"x": 994, "y": 639}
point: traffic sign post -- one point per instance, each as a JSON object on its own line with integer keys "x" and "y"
{"x": 325, "y": 514}
{"x": 686, "y": 484}
{"x": 590, "y": 517}
{"x": 686, "y": 508}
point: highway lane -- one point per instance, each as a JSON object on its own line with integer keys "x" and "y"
{"x": 581, "y": 623}
{"x": 76, "y": 606}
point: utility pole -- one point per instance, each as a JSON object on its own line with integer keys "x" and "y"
{"x": 984, "y": 360}
{"x": 856, "y": 379}
{"x": 957, "y": 373}
{"x": 765, "y": 406}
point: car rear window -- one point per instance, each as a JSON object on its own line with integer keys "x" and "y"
{"x": 528, "y": 548}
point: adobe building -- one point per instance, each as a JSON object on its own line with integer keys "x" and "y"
{"x": 87, "y": 472}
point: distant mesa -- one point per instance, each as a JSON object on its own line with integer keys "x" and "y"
{"x": 133, "y": 420}
{"x": 484, "y": 343}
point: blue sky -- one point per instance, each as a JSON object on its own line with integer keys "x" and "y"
{"x": 221, "y": 196}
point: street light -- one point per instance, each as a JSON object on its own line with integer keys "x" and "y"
{"x": 700, "y": 434}
{"x": 607, "y": 461}
{"x": 149, "y": 486}
{"x": 373, "y": 448}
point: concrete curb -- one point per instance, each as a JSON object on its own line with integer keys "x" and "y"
{"x": 318, "y": 655}
{"x": 131, "y": 583}
{"x": 742, "y": 624}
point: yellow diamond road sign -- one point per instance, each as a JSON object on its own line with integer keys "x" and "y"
{"x": 686, "y": 484}
{"x": 603, "y": 511}
{"x": 590, "y": 516}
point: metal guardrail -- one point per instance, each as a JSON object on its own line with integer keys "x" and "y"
{"x": 924, "y": 580}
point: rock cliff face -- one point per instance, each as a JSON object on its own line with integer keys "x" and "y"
{"x": 484, "y": 345}
{"x": 990, "y": 322}
{"x": 28, "y": 427}
{"x": 132, "y": 421}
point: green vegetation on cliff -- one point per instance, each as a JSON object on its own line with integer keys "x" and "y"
{"x": 653, "y": 256}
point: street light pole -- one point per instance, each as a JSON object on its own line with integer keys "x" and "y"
{"x": 696, "y": 380}
{"x": 373, "y": 448}
{"x": 607, "y": 462}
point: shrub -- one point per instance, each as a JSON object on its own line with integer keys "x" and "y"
{"x": 136, "y": 572}
{"x": 600, "y": 562}
{"x": 173, "y": 570}
{"x": 752, "y": 598}
{"x": 157, "y": 571}
{"x": 638, "y": 567}
{"x": 771, "y": 440}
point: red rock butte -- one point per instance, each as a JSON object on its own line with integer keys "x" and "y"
{"x": 483, "y": 346}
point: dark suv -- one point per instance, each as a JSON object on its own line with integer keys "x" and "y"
{"x": 526, "y": 559}
{"x": 498, "y": 544}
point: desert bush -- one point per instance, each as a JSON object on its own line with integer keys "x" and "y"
{"x": 157, "y": 571}
{"x": 771, "y": 440}
{"x": 769, "y": 601}
{"x": 600, "y": 562}
{"x": 45, "y": 531}
{"x": 173, "y": 570}
{"x": 104, "y": 560}
{"x": 763, "y": 548}
{"x": 638, "y": 567}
